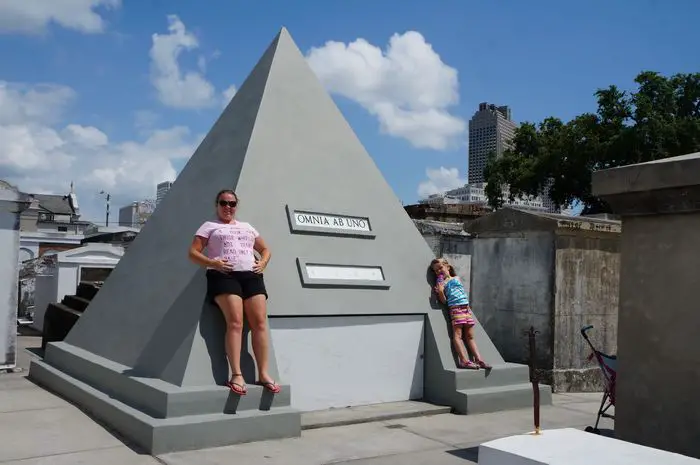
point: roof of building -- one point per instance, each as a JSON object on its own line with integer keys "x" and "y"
{"x": 515, "y": 219}
{"x": 57, "y": 204}
{"x": 440, "y": 227}
{"x": 6, "y": 185}
{"x": 562, "y": 217}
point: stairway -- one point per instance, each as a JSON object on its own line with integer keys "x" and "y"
{"x": 61, "y": 316}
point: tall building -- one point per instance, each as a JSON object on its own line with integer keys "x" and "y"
{"x": 162, "y": 189}
{"x": 490, "y": 130}
{"x": 136, "y": 214}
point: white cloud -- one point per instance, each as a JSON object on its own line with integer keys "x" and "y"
{"x": 228, "y": 94}
{"x": 407, "y": 87}
{"x": 175, "y": 88}
{"x": 34, "y": 16}
{"x": 145, "y": 119}
{"x": 20, "y": 104}
{"x": 440, "y": 180}
{"x": 42, "y": 156}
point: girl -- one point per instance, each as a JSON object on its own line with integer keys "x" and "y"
{"x": 450, "y": 291}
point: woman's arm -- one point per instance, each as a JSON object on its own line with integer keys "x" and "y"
{"x": 261, "y": 247}
{"x": 195, "y": 252}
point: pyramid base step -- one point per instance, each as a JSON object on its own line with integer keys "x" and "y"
{"x": 153, "y": 396}
{"x": 499, "y": 398}
{"x": 368, "y": 413}
{"x": 162, "y": 435}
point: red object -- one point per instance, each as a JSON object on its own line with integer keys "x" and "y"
{"x": 237, "y": 388}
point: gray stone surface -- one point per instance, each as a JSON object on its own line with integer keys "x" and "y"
{"x": 436, "y": 439}
{"x": 55, "y": 432}
{"x": 12, "y": 203}
{"x": 659, "y": 371}
{"x": 570, "y": 446}
{"x": 162, "y": 388}
{"x": 367, "y": 413}
{"x": 666, "y": 173}
{"x": 553, "y": 272}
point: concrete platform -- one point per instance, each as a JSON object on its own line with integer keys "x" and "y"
{"x": 503, "y": 387}
{"x": 573, "y": 447}
{"x": 369, "y": 413}
{"x": 160, "y": 419}
{"x": 38, "y": 428}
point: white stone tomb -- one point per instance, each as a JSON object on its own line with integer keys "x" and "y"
{"x": 570, "y": 446}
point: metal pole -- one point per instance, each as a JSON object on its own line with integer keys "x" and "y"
{"x": 533, "y": 378}
{"x": 107, "y": 211}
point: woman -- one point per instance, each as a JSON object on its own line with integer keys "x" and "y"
{"x": 235, "y": 283}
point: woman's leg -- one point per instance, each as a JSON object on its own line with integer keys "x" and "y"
{"x": 255, "y": 308}
{"x": 232, "y": 308}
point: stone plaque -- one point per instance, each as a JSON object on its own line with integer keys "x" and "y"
{"x": 316, "y": 274}
{"x": 338, "y": 224}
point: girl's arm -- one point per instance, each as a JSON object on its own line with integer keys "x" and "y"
{"x": 440, "y": 292}
{"x": 441, "y": 297}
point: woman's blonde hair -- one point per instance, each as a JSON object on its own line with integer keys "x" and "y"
{"x": 450, "y": 268}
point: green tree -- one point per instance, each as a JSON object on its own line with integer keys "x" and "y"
{"x": 660, "y": 119}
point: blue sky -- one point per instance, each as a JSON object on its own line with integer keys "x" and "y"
{"x": 86, "y": 96}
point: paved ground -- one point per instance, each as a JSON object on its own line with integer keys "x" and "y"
{"x": 39, "y": 428}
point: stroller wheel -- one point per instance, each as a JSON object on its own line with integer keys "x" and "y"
{"x": 590, "y": 429}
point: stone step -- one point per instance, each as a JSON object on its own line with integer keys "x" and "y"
{"x": 87, "y": 290}
{"x": 155, "y": 397}
{"x": 162, "y": 435}
{"x": 500, "y": 375}
{"x": 58, "y": 321}
{"x": 75, "y": 302}
{"x": 369, "y": 413}
{"x": 499, "y": 398}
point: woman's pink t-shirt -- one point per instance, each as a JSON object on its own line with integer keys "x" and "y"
{"x": 231, "y": 241}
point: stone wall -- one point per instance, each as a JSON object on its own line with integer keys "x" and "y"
{"x": 587, "y": 277}
{"x": 556, "y": 275}
{"x": 545, "y": 271}
{"x": 448, "y": 240}
{"x": 511, "y": 290}
{"x": 658, "y": 377}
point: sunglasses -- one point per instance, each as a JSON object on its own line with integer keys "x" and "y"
{"x": 224, "y": 203}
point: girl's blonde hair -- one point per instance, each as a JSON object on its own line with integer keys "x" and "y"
{"x": 450, "y": 268}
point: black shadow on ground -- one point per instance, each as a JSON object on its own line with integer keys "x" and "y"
{"x": 470, "y": 453}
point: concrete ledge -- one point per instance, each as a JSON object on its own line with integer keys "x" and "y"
{"x": 504, "y": 387}
{"x": 666, "y": 186}
{"x": 156, "y": 397}
{"x": 577, "y": 380}
{"x": 667, "y": 173}
{"x": 499, "y": 375}
{"x": 163, "y": 435}
{"x": 573, "y": 447}
{"x": 369, "y": 413}
{"x": 499, "y": 398}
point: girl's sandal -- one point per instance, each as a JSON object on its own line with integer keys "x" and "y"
{"x": 484, "y": 365}
{"x": 237, "y": 388}
{"x": 468, "y": 365}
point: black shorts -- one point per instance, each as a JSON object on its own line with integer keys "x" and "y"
{"x": 244, "y": 284}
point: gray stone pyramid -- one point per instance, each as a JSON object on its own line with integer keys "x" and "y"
{"x": 351, "y": 320}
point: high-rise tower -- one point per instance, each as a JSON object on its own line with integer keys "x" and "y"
{"x": 162, "y": 189}
{"x": 490, "y": 130}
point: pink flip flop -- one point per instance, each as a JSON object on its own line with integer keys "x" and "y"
{"x": 271, "y": 386}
